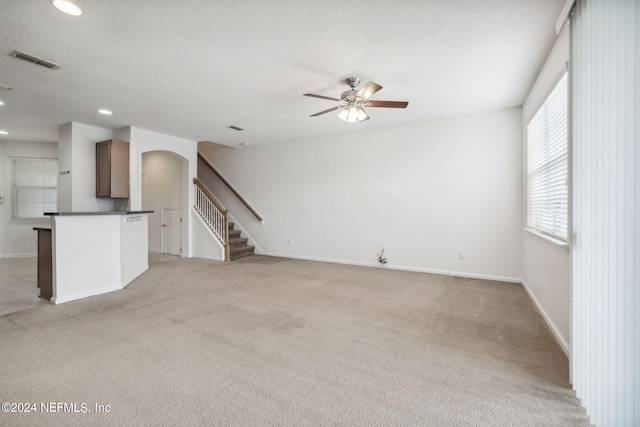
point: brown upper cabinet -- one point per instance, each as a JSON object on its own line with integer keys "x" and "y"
{"x": 112, "y": 169}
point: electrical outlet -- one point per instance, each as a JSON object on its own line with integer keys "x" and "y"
{"x": 289, "y": 241}
{"x": 460, "y": 255}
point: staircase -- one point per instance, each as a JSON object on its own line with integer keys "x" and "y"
{"x": 217, "y": 219}
{"x": 239, "y": 247}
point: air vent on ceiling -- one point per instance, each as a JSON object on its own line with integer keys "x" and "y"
{"x": 5, "y": 87}
{"x": 30, "y": 58}
{"x": 234, "y": 127}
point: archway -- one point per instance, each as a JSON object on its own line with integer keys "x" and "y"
{"x": 163, "y": 192}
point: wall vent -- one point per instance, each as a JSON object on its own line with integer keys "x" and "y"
{"x": 5, "y": 87}
{"x": 33, "y": 59}
{"x": 234, "y": 127}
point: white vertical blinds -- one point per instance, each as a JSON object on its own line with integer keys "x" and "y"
{"x": 547, "y": 165}
{"x": 35, "y": 187}
{"x": 605, "y": 251}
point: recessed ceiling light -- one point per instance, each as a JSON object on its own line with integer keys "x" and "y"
{"x": 105, "y": 112}
{"x": 1, "y": 103}
{"x": 4, "y": 132}
{"x": 67, "y": 7}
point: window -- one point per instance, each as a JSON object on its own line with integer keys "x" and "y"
{"x": 34, "y": 187}
{"x": 547, "y": 165}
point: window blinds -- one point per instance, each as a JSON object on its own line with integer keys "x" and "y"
{"x": 547, "y": 165}
{"x": 35, "y": 187}
{"x": 605, "y": 250}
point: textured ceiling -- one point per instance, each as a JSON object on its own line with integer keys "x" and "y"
{"x": 191, "y": 68}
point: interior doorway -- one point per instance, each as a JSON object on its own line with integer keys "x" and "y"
{"x": 171, "y": 231}
{"x": 163, "y": 193}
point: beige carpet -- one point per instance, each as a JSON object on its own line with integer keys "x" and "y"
{"x": 270, "y": 341}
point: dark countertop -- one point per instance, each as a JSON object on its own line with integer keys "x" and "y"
{"x": 97, "y": 213}
{"x": 41, "y": 229}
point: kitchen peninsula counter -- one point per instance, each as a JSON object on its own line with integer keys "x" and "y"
{"x": 96, "y": 252}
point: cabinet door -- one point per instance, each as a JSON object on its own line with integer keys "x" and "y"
{"x": 119, "y": 169}
{"x": 45, "y": 271}
{"x": 103, "y": 169}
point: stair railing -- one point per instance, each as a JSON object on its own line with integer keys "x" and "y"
{"x": 214, "y": 215}
{"x": 228, "y": 184}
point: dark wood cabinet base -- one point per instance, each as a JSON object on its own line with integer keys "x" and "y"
{"x": 45, "y": 271}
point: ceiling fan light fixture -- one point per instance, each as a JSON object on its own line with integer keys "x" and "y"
{"x": 67, "y": 7}
{"x": 353, "y": 114}
{"x": 344, "y": 114}
{"x": 362, "y": 116}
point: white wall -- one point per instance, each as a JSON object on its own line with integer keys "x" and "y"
{"x": 65, "y": 163}
{"x": 17, "y": 237}
{"x": 142, "y": 141}
{"x": 5, "y": 198}
{"x": 205, "y": 245}
{"x": 77, "y": 145}
{"x": 423, "y": 192}
{"x": 545, "y": 266}
{"x": 77, "y": 190}
{"x": 163, "y": 173}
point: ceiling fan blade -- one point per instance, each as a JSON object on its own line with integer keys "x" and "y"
{"x": 368, "y": 90}
{"x": 325, "y": 111}
{"x": 321, "y": 97}
{"x": 387, "y": 104}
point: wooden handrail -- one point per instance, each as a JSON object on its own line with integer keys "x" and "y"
{"x": 233, "y": 190}
{"x": 206, "y": 191}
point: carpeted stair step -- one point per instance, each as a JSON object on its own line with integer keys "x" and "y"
{"x": 241, "y": 251}
{"x": 238, "y": 242}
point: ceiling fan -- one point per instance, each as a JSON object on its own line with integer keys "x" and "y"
{"x": 352, "y": 101}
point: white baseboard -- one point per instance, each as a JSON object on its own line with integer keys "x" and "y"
{"x": 401, "y": 268}
{"x": 209, "y": 258}
{"x": 85, "y": 294}
{"x": 552, "y": 327}
{"x": 33, "y": 255}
